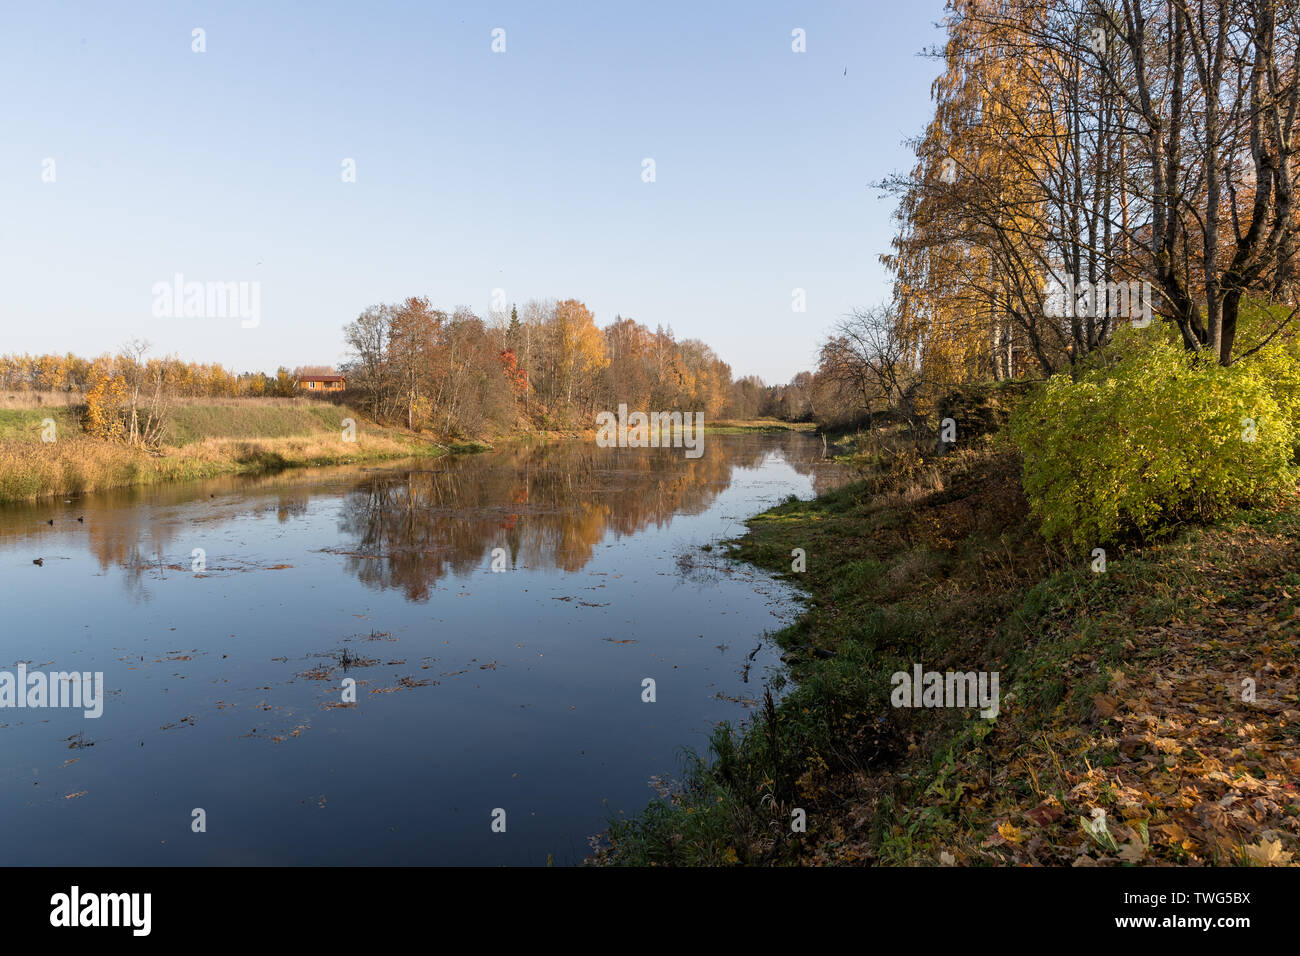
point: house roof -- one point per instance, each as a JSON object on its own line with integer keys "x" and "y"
{"x": 321, "y": 378}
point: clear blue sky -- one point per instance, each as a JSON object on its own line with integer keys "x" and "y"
{"x": 475, "y": 170}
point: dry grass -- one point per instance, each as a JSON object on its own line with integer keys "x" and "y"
{"x": 31, "y": 470}
{"x": 27, "y": 400}
{"x": 75, "y": 465}
{"x": 255, "y": 402}
{"x": 325, "y": 448}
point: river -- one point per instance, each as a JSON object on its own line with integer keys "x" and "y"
{"x": 226, "y": 616}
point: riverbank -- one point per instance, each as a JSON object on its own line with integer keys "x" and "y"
{"x": 204, "y": 439}
{"x": 1122, "y": 735}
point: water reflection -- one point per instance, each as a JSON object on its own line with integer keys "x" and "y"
{"x": 547, "y": 505}
{"x": 544, "y": 506}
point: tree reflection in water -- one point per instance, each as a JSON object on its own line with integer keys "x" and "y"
{"x": 547, "y": 506}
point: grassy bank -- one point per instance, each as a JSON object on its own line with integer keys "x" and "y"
{"x": 203, "y": 439}
{"x": 759, "y": 425}
{"x": 1121, "y": 692}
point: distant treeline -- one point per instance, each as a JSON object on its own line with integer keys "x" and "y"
{"x": 547, "y": 365}
{"x": 72, "y": 373}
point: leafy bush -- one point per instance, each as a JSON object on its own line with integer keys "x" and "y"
{"x": 1151, "y": 435}
{"x": 106, "y": 408}
{"x": 1277, "y": 361}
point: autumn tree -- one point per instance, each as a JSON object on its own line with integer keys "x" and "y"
{"x": 575, "y": 351}
{"x": 413, "y": 333}
{"x": 368, "y": 370}
{"x": 1134, "y": 141}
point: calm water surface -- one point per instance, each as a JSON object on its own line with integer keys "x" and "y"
{"x": 476, "y": 690}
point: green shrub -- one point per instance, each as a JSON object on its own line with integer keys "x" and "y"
{"x": 1277, "y": 362}
{"x": 1148, "y": 436}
